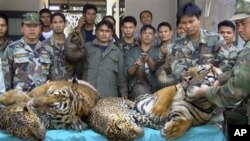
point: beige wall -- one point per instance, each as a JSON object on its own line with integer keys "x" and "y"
{"x": 162, "y": 10}
{"x": 22, "y": 5}
{"x": 110, "y": 4}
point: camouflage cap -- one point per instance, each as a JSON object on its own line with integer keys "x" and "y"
{"x": 242, "y": 10}
{"x": 30, "y": 18}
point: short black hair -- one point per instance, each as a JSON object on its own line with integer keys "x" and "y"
{"x": 58, "y": 14}
{"x": 146, "y": 11}
{"x": 226, "y": 23}
{"x": 111, "y": 17}
{"x": 189, "y": 9}
{"x": 87, "y": 7}
{"x": 164, "y": 24}
{"x": 105, "y": 22}
{"x": 130, "y": 19}
{"x": 147, "y": 26}
{"x": 45, "y": 10}
{"x": 3, "y": 16}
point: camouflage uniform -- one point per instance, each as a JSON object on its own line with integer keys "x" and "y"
{"x": 185, "y": 54}
{"x": 61, "y": 70}
{"x": 3, "y": 46}
{"x": 228, "y": 56}
{"x": 23, "y": 67}
{"x": 236, "y": 90}
{"x": 126, "y": 46}
{"x": 205, "y": 51}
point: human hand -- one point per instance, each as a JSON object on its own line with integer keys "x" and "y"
{"x": 164, "y": 49}
{"x": 139, "y": 62}
{"x": 201, "y": 91}
{"x": 144, "y": 57}
{"x": 81, "y": 21}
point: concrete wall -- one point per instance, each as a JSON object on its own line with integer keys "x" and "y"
{"x": 162, "y": 10}
{"x": 22, "y": 5}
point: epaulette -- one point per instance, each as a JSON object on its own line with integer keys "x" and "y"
{"x": 16, "y": 44}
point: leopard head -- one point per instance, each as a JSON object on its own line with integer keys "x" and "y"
{"x": 21, "y": 121}
{"x": 124, "y": 128}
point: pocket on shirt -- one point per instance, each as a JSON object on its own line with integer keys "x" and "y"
{"x": 113, "y": 63}
{"x": 45, "y": 64}
{"x": 21, "y": 61}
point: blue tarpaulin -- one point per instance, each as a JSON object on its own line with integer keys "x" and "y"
{"x": 199, "y": 133}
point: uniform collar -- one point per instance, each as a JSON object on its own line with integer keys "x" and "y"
{"x": 202, "y": 37}
{"x": 247, "y": 44}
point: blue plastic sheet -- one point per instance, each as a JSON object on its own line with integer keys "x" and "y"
{"x": 200, "y": 133}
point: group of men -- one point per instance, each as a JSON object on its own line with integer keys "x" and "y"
{"x": 112, "y": 63}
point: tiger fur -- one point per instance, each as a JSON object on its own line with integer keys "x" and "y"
{"x": 175, "y": 107}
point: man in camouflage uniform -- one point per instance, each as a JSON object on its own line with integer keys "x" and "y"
{"x": 197, "y": 47}
{"x": 128, "y": 41}
{"x": 3, "y": 31}
{"x": 228, "y": 54}
{"x": 236, "y": 90}
{"x": 26, "y": 64}
{"x": 61, "y": 70}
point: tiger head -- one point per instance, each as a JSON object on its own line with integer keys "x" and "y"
{"x": 63, "y": 106}
{"x": 200, "y": 74}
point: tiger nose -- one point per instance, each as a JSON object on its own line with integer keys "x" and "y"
{"x": 189, "y": 78}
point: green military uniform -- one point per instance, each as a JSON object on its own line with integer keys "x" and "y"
{"x": 186, "y": 53}
{"x": 126, "y": 46}
{"x": 228, "y": 56}
{"x": 5, "y": 43}
{"x": 236, "y": 90}
{"x": 25, "y": 67}
{"x": 105, "y": 69}
{"x": 61, "y": 70}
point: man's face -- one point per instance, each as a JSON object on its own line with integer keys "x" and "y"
{"x": 146, "y": 18}
{"x": 227, "y": 33}
{"x": 128, "y": 29}
{"x": 180, "y": 31}
{"x": 190, "y": 24}
{"x": 104, "y": 34}
{"x": 165, "y": 33}
{"x": 90, "y": 16}
{"x": 3, "y": 27}
{"x": 147, "y": 36}
{"x": 31, "y": 31}
{"x": 58, "y": 25}
{"x": 243, "y": 28}
{"x": 45, "y": 18}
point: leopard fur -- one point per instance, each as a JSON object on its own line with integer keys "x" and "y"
{"x": 19, "y": 120}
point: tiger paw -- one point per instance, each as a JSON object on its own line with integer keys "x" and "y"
{"x": 175, "y": 128}
{"x": 79, "y": 125}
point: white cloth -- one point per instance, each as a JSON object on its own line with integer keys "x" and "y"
{"x": 47, "y": 35}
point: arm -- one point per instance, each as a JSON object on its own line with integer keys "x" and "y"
{"x": 237, "y": 87}
{"x": 122, "y": 81}
{"x": 8, "y": 68}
